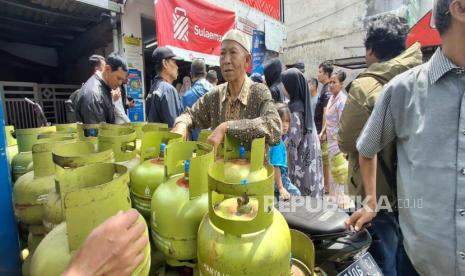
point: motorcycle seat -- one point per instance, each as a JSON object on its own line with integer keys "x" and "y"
{"x": 313, "y": 217}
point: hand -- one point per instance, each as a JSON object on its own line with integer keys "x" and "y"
{"x": 115, "y": 247}
{"x": 217, "y": 136}
{"x": 115, "y": 95}
{"x": 131, "y": 104}
{"x": 180, "y": 128}
{"x": 322, "y": 136}
{"x": 361, "y": 218}
{"x": 284, "y": 194}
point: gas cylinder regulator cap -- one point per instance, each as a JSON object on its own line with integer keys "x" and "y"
{"x": 187, "y": 165}
{"x": 241, "y": 152}
{"x": 162, "y": 148}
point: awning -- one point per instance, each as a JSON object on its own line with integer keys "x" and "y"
{"x": 193, "y": 29}
{"x": 351, "y": 63}
{"x": 424, "y": 32}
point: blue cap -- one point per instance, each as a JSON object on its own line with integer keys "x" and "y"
{"x": 187, "y": 165}
{"x": 244, "y": 182}
{"x": 162, "y": 147}
{"x": 241, "y": 151}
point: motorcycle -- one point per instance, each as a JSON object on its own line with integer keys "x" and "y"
{"x": 337, "y": 250}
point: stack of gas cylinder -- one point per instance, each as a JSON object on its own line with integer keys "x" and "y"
{"x": 212, "y": 217}
{"x": 206, "y": 214}
{"x": 71, "y": 176}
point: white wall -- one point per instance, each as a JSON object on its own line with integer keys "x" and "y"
{"x": 133, "y": 10}
{"x": 319, "y": 30}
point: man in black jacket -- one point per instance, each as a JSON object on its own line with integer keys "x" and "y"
{"x": 94, "y": 103}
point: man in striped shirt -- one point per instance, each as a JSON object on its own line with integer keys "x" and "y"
{"x": 423, "y": 112}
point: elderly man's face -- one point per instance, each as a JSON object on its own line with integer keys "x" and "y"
{"x": 234, "y": 60}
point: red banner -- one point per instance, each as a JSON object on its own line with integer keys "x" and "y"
{"x": 270, "y": 7}
{"x": 192, "y": 29}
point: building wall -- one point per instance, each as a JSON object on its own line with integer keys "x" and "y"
{"x": 319, "y": 30}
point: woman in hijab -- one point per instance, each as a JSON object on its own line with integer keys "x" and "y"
{"x": 272, "y": 70}
{"x": 305, "y": 163}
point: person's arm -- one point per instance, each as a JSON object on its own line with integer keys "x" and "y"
{"x": 114, "y": 247}
{"x": 120, "y": 115}
{"x": 267, "y": 125}
{"x": 198, "y": 116}
{"x": 324, "y": 99}
{"x": 322, "y": 134}
{"x": 364, "y": 216}
{"x": 283, "y": 193}
{"x": 378, "y": 132}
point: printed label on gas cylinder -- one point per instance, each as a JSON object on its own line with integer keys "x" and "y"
{"x": 212, "y": 271}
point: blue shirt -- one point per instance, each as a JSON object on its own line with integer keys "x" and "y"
{"x": 198, "y": 89}
{"x": 278, "y": 155}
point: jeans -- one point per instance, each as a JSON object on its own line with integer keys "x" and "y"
{"x": 386, "y": 237}
{"x": 387, "y": 246}
{"x": 404, "y": 266}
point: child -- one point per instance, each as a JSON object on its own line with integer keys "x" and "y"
{"x": 278, "y": 159}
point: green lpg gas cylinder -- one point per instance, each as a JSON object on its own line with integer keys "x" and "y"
{"x": 303, "y": 254}
{"x": 236, "y": 165}
{"x": 33, "y": 241}
{"x": 137, "y": 126}
{"x": 122, "y": 140}
{"x": 243, "y": 234}
{"x": 68, "y": 157}
{"x": 180, "y": 203}
{"x": 11, "y": 143}
{"x": 53, "y": 134}
{"x": 31, "y": 189}
{"x": 339, "y": 168}
{"x": 101, "y": 191}
{"x": 154, "y": 127}
{"x": 26, "y": 267}
{"x": 70, "y": 128}
{"x": 147, "y": 176}
{"x": 25, "y": 139}
{"x": 88, "y": 132}
{"x": 142, "y": 127}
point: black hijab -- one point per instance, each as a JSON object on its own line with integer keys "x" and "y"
{"x": 272, "y": 70}
{"x": 299, "y": 94}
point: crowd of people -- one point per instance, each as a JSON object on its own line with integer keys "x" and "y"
{"x": 393, "y": 134}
